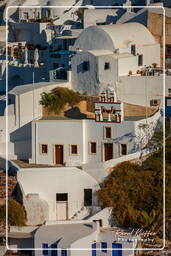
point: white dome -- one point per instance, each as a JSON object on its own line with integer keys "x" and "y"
{"x": 111, "y": 37}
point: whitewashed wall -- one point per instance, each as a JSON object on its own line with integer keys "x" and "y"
{"x": 47, "y": 182}
{"x": 84, "y": 81}
{"x": 81, "y": 133}
{"x": 141, "y": 90}
{"x": 151, "y": 54}
{"x": 28, "y": 106}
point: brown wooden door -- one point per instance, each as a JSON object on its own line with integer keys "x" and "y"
{"x": 59, "y": 154}
{"x": 108, "y": 151}
{"x": 123, "y": 149}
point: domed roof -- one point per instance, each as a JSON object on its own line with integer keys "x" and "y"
{"x": 111, "y": 37}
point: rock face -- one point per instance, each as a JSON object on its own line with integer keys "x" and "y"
{"x": 36, "y": 209}
{"x": 11, "y": 186}
{"x": 155, "y": 25}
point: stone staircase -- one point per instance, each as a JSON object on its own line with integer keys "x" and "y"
{"x": 81, "y": 214}
{"x": 85, "y": 212}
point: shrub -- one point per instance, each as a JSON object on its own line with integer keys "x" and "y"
{"x": 16, "y": 213}
{"x": 135, "y": 194}
{"x": 58, "y": 98}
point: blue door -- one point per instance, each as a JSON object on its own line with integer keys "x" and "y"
{"x": 93, "y": 249}
{"x": 45, "y": 246}
{"x": 116, "y": 252}
{"x": 54, "y": 252}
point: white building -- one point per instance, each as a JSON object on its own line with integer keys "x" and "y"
{"x": 104, "y": 53}
{"x": 23, "y": 107}
{"x": 49, "y": 196}
{"x": 76, "y": 142}
{"x": 74, "y": 238}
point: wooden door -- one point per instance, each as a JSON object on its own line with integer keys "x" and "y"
{"x": 61, "y": 206}
{"x": 61, "y": 210}
{"x": 87, "y": 197}
{"x": 123, "y": 149}
{"x": 108, "y": 151}
{"x": 59, "y": 154}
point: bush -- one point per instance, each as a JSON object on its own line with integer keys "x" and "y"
{"x": 136, "y": 192}
{"x": 16, "y": 213}
{"x": 58, "y": 98}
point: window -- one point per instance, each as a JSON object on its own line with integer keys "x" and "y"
{"x": 45, "y": 246}
{"x": 74, "y": 150}
{"x": 88, "y": 197}
{"x": 85, "y": 65}
{"x": 108, "y": 133}
{"x": 168, "y": 103}
{"x": 106, "y": 65}
{"x": 104, "y": 247}
{"x": 62, "y": 197}
{"x": 63, "y": 252}
{"x": 133, "y": 49}
{"x": 44, "y": 148}
{"x": 140, "y": 60}
{"x": 93, "y": 249}
{"x": 168, "y": 62}
{"x": 169, "y": 92}
{"x": 92, "y": 147}
{"x": 168, "y": 50}
{"x": 155, "y": 102}
{"x": 25, "y": 14}
{"x": 123, "y": 149}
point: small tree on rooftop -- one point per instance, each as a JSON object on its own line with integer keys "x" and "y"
{"x": 58, "y": 98}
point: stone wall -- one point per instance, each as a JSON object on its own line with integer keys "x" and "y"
{"x": 136, "y": 110}
{"x": 11, "y": 186}
{"x": 155, "y": 25}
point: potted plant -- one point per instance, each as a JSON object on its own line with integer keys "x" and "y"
{"x": 154, "y": 65}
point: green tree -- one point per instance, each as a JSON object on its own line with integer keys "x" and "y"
{"x": 58, "y": 98}
{"x": 136, "y": 192}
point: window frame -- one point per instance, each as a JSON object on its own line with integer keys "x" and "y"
{"x": 90, "y": 151}
{"x": 106, "y": 66}
{"x": 89, "y": 202}
{"x": 133, "y": 51}
{"x": 120, "y": 149}
{"x": 86, "y": 66}
{"x": 70, "y": 150}
{"x": 105, "y": 137}
{"x": 168, "y": 49}
{"x": 63, "y": 196}
{"x": 140, "y": 63}
{"x": 40, "y": 146}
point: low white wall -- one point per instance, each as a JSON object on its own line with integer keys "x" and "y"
{"x": 140, "y": 90}
{"x": 104, "y": 215}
